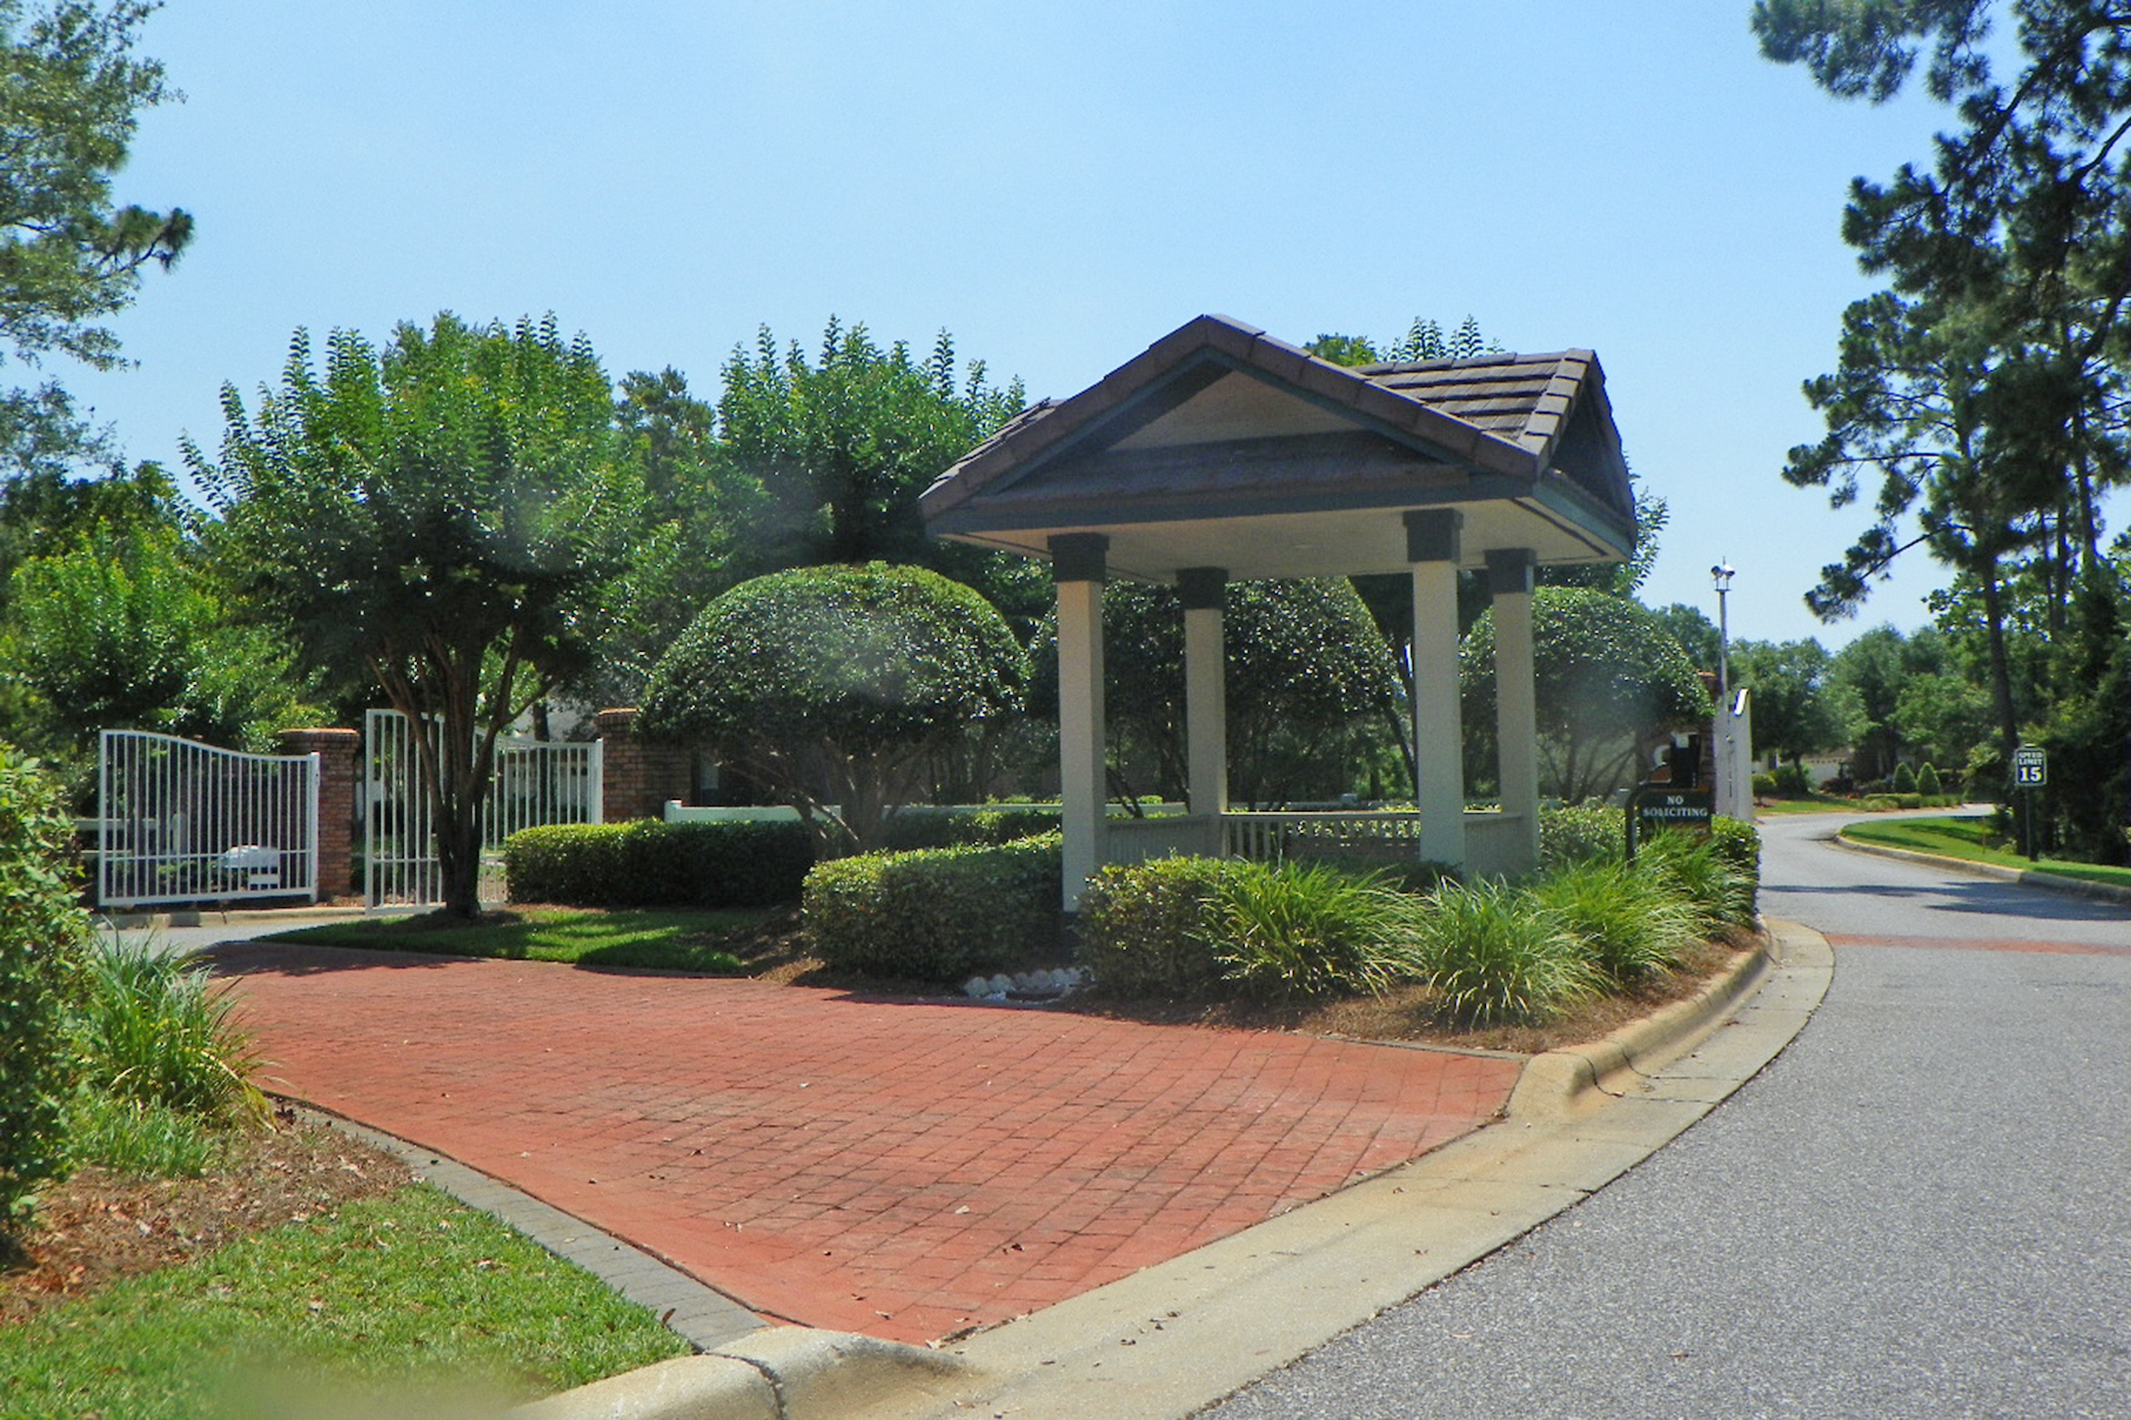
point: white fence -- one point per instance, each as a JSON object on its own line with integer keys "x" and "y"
{"x": 179, "y": 821}
{"x": 536, "y": 783}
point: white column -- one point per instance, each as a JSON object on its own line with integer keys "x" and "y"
{"x": 1202, "y": 590}
{"x": 1509, "y": 585}
{"x": 1438, "y": 737}
{"x": 1077, "y": 563}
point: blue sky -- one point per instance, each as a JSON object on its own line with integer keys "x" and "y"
{"x": 1057, "y": 186}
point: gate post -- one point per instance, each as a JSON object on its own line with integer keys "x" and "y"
{"x": 336, "y": 803}
{"x": 637, "y": 778}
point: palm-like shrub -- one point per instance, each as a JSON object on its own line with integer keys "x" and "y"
{"x": 1494, "y": 955}
{"x": 153, "y": 1031}
{"x": 1289, "y": 930}
{"x": 1630, "y": 922}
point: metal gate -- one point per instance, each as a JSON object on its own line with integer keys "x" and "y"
{"x": 179, "y": 821}
{"x": 536, "y": 782}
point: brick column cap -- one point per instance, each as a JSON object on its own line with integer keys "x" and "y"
{"x": 321, "y": 738}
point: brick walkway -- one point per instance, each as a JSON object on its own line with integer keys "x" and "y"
{"x": 902, "y": 1169}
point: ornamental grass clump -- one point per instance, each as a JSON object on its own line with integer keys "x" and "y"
{"x": 1629, "y": 920}
{"x": 1288, "y": 931}
{"x": 152, "y": 1031}
{"x": 1706, "y": 875}
{"x": 1495, "y": 955}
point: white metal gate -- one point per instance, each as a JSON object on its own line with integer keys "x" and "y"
{"x": 536, "y": 782}
{"x": 179, "y": 821}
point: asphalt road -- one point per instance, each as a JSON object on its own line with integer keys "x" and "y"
{"x": 1920, "y": 1209}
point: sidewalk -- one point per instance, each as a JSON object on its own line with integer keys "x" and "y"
{"x": 906, "y": 1170}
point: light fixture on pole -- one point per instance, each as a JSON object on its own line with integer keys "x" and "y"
{"x": 1721, "y": 574}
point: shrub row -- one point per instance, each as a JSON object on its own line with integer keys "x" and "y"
{"x": 960, "y": 827}
{"x": 1191, "y": 927}
{"x": 937, "y": 914}
{"x": 646, "y": 863}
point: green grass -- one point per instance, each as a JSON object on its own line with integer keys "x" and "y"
{"x": 409, "y": 1304}
{"x": 1968, "y": 838}
{"x": 673, "y": 939}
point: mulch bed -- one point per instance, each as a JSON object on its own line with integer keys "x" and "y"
{"x": 96, "y": 1228}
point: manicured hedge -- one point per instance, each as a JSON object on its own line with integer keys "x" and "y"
{"x": 1149, "y": 929}
{"x": 1581, "y": 833}
{"x": 960, "y": 827}
{"x": 42, "y": 932}
{"x": 646, "y": 863}
{"x": 937, "y": 914}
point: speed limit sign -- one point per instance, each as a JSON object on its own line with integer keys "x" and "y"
{"x": 2031, "y": 767}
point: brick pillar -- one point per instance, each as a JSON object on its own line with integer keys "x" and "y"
{"x": 336, "y": 803}
{"x": 637, "y": 778}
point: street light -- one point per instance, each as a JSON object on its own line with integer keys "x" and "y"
{"x": 1721, "y": 574}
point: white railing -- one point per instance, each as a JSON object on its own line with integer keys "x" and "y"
{"x": 1377, "y": 836}
{"x": 1135, "y": 840}
{"x": 179, "y": 821}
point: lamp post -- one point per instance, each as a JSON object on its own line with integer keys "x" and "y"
{"x": 1728, "y": 773}
{"x": 1721, "y": 574}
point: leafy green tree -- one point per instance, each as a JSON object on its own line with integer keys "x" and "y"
{"x": 844, "y": 443}
{"x": 71, "y": 94}
{"x": 1696, "y": 633}
{"x": 695, "y": 539}
{"x": 1423, "y": 340}
{"x": 1608, "y": 677}
{"x": 1311, "y": 688}
{"x": 1941, "y": 716}
{"x": 831, "y": 686}
{"x": 441, "y": 513}
{"x": 1799, "y": 705}
{"x": 1876, "y": 667}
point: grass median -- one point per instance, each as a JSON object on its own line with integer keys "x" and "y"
{"x": 712, "y": 942}
{"x": 1970, "y": 839}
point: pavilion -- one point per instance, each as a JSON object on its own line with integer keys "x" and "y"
{"x": 1223, "y": 453}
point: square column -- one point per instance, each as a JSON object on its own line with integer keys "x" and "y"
{"x": 1438, "y": 732}
{"x": 1203, "y": 591}
{"x": 1509, "y": 589}
{"x": 1077, "y": 567}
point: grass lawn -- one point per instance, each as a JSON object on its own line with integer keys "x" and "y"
{"x": 1967, "y": 838}
{"x": 712, "y": 942}
{"x": 1810, "y": 804}
{"x": 403, "y": 1304}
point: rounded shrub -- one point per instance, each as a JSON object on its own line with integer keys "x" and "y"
{"x": 936, "y": 914}
{"x": 1704, "y": 876}
{"x": 43, "y": 937}
{"x": 831, "y": 685}
{"x": 1927, "y": 782}
{"x": 1494, "y": 955}
{"x": 1147, "y": 929}
{"x": 1905, "y": 779}
{"x": 1581, "y": 833}
{"x": 1764, "y": 786}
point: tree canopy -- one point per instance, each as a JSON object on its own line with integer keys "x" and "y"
{"x": 830, "y": 686}
{"x": 439, "y": 514}
{"x": 1799, "y": 706}
{"x": 71, "y": 93}
{"x": 1608, "y": 678}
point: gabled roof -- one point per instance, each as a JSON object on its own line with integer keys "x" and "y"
{"x": 1219, "y": 420}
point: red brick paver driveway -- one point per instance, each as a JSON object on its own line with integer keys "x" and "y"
{"x": 903, "y": 1169}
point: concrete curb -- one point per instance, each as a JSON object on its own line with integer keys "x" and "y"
{"x": 783, "y": 1373}
{"x": 1169, "y": 1340}
{"x": 1562, "y": 1083}
{"x": 2026, "y": 877}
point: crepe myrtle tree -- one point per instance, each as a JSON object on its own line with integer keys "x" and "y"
{"x": 434, "y": 517}
{"x": 831, "y": 686}
{"x": 1608, "y": 676}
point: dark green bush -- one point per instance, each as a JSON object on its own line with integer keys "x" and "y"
{"x": 1927, "y": 782}
{"x": 961, "y": 827}
{"x": 1581, "y": 833}
{"x": 646, "y": 863}
{"x": 1764, "y": 786}
{"x": 1792, "y": 780}
{"x": 1147, "y": 929}
{"x": 43, "y": 932}
{"x": 1905, "y": 779}
{"x": 937, "y": 914}
{"x": 1738, "y": 844}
